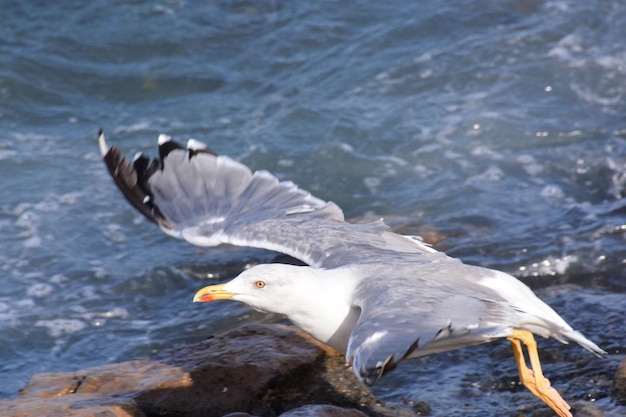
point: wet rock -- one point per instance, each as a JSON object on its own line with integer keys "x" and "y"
{"x": 619, "y": 384}
{"x": 239, "y": 414}
{"x": 409, "y": 226}
{"x": 323, "y": 411}
{"x": 79, "y": 405}
{"x": 114, "y": 379}
{"x": 262, "y": 370}
{"x": 586, "y": 409}
{"x": 421, "y": 408}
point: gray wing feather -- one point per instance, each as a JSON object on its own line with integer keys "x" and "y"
{"x": 443, "y": 316}
{"x": 209, "y": 200}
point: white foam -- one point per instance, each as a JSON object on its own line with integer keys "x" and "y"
{"x": 392, "y": 159}
{"x": 611, "y": 62}
{"x": 69, "y": 198}
{"x": 548, "y": 267}
{"x": 141, "y": 126}
{"x": 491, "y": 174}
{"x": 32, "y": 242}
{"x": 425, "y": 57}
{"x": 591, "y": 96}
{"x": 114, "y": 232}
{"x": 530, "y": 165}
{"x": 40, "y": 290}
{"x": 372, "y": 184}
{"x": 486, "y": 152}
{"x": 25, "y": 303}
{"x": 286, "y": 162}
{"x": 59, "y": 279}
{"x": 568, "y": 45}
{"x": 60, "y": 327}
{"x": 552, "y": 191}
{"x": 7, "y": 154}
{"x": 426, "y": 73}
{"x": 29, "y": 137}
{"x": 116, "y": 312}
{"x": 27, "y": 219}
{"x": 346, "y": 147}
{"x": 47, "y": 205}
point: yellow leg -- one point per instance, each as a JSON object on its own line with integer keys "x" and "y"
{"x": 533, "y": 379}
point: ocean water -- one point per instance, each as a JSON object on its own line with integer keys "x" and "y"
{"x": 498, "y": 124}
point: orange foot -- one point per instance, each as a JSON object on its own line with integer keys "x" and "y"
{"x": 533, "y": 379}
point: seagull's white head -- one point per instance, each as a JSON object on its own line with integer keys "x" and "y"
{"x": 316, "y": 300}
{"x": 276, "y": 288}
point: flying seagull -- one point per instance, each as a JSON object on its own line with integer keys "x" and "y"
{"x": 378, "y": 296}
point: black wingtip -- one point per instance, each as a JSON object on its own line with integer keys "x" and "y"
{"x": 132, "y": 180}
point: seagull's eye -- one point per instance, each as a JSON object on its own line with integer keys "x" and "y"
{"x": 259, "y": 284}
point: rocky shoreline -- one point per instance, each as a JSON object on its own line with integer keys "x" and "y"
{"x": 265, "y": 370}
{"x": 256, "y": 370}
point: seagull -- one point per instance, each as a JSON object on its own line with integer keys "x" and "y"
{"x": 378, "y": 296}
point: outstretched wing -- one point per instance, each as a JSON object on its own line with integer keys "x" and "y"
{"x": 208, "y": 200}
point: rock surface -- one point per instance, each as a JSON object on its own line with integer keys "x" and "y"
{"x": 619, "y": 384}
{"x": 323, "y": 411}
{"x": 263, "y": 370}
{"x": 77, "y": 405}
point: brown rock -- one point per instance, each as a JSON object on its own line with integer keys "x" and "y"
{"x": 240, "y": 371}
{"x": 409, "y": 226}
{"x": 116, "y": 379}
{"x": 79, "y": 405}
{"x": 258, "y": 369}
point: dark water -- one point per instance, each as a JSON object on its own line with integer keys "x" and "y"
{"x": 501, "y": 124}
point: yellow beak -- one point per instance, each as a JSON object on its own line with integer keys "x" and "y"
{"x": 212, "y": 293}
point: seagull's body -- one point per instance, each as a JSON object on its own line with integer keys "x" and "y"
{"x": 378, "y": 296}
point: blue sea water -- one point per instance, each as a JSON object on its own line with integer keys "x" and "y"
{"x": 499, "y": 124}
